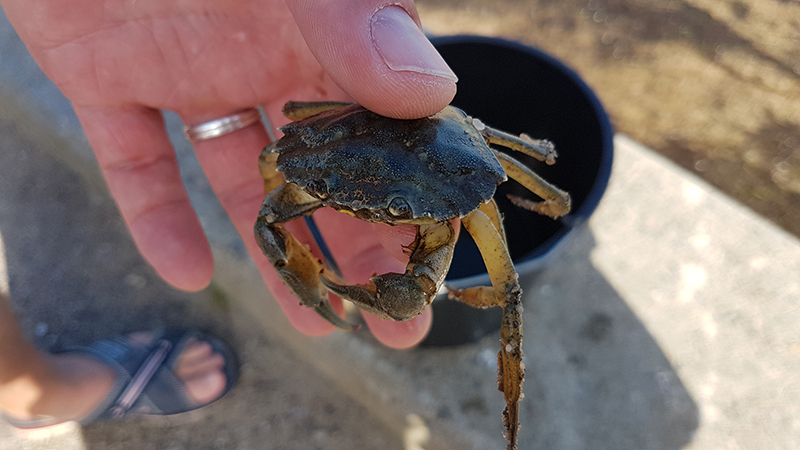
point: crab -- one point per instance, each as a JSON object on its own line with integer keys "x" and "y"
{"x": 424, "y": 172}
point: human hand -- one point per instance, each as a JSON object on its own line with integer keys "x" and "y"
{"x": 120, "y": 63}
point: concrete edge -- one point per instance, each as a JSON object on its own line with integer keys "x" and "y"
{"x": 624, "y": 141}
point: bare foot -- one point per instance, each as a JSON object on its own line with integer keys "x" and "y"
{"x": 75, "y": 383}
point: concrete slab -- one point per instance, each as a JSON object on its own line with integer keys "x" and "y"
{"x": 716, "y": 287}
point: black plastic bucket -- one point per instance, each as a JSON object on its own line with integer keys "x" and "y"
{"x": 520, "y": 89}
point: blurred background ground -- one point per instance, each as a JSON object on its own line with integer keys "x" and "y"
{"x": 713, "y": 85}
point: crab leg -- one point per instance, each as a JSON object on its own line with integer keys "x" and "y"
{"x": 483, "y": 296}
{"x": 266, "y": 165}
{"x": 490, "y": 209}
{"x": 540, "y": 149}
{"x": 300, "y": 110}
{"x": 556, "y": 202}
{"x": 403, "y": 296}
{"x": 505, "y": 292}
{"x": 297, "y": 267}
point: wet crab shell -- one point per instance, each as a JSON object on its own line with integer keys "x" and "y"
{"x": 435, "y": 168}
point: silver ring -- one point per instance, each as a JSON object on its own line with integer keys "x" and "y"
{"x": 222, "y": 126}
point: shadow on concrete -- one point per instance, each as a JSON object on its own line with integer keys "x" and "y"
{"x": 597, "y": 379}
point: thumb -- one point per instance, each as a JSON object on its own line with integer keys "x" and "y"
{"x": 376, "y": 52}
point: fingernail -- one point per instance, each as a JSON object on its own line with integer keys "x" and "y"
{"x": 404, "y": 47}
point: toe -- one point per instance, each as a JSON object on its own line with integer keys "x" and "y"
{"x": 195, "y": 351}
{"x": 202, "y": 371}
{"x": 206, "y": 387}
{"x": 214, "y": 362}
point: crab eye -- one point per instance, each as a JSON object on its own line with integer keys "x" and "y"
{"x": 398, "y": 207}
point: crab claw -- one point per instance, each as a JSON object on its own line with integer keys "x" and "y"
{"x": 392, "y": 296}
{"x": 298, "y": 269}
{"x": 403, "y": 296}
{"x": 326, "y": 311}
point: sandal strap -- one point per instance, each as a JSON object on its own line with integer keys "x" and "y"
{"x": 140, "y": 380}
{"x": 129, "y": 359}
